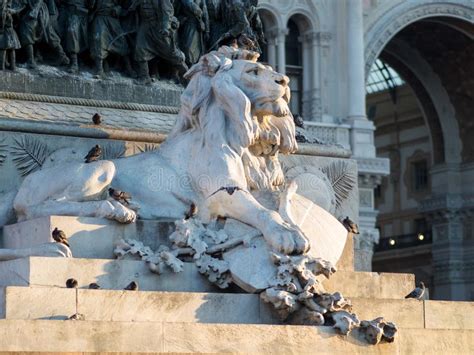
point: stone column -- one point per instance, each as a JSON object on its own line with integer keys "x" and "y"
{"x": 307, "y": 84}
{"x": 271, "y": 47}
{"x": 281, "y": 40}
{"x": 362, "y": 135}
{"x": 355, "y": 60}
{"x": 448, "y": 217}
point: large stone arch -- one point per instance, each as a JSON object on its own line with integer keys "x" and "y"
{"x": 379, "y": 34}
{"x": 271, "y": 17}
{"x": 444, "y": 117}
{"x": 307, "y": 22}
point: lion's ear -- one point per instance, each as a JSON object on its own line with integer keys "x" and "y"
{"x": 237, "y": 107}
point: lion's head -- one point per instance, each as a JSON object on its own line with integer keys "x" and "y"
{"x": 244, "y": 102}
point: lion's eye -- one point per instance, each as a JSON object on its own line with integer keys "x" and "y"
{"x": 253, "y": 71}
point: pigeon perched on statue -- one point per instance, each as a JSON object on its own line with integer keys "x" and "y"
{"x": 350, "y": 225}
{"x": 94, "y": 154}
{"x": 60, "y": 237}
{"x": 229, "y": 189}
{"x": 192, "y": 211}
{"x": 418, "y": 292}
{"x": 97, "y": 119}
{"x": 120, "y": 196}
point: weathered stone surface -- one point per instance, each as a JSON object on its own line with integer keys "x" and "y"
{"x": 404, "y": 313}
{"x": 435, "y": 341}
{"x": 449, "y": 315}
{"x": 89, "y": 336}
{"x": 38, "y": 303}
{"x": 44, "y": 112}
{"x": 109, "y": 274}
{"x": 168, "y": 307}
{"x": 346, "y": 262}
{"x": 141, "y": 306}
{"x": 86, "y": 87}
{"x": 88, "y": 237}
{"x": 370, "y": 284}
{"x": 115, "y": 274}
{"x": 78, "y": 336}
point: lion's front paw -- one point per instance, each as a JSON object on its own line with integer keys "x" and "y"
{"x": 123, "y": 214}
{"x": 287, "y": 240}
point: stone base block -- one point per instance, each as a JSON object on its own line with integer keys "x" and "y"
{"x": 88, "y": 237}
{"x": 109, "y": 274}
{"x": 116, "y": 274}
{"x": 89, "y": 336}
{"x": 142, "y": 306}
{"x": 134, "y": 306}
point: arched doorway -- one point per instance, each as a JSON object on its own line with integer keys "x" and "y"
{"x": 424, "y": 118}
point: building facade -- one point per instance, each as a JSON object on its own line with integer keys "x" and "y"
{"x": 411, "y": 139}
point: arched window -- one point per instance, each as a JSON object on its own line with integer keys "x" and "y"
{"x": 294, "y": 66}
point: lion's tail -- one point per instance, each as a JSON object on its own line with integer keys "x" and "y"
{"x": 7, "y": 213}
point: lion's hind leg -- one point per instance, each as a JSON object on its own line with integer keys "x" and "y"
{"x": 101, "y": 209}
{"x": 73, "y": 189}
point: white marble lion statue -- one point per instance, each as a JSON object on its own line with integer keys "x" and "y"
{"x": 233, "y": 122}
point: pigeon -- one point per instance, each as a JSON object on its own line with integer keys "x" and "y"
{"x": 71, "y": 283}
{"x": 350, "y": 225}
{"x": 60, "y": 237}
{"x": 97, "y": 119}
{"x": 418, "y": 292}
{"x": 94, "y": 286}
{"x": 132, "y": 286}
{"x": 120, "y": 196}
{"x": 229, "y": 189}
{"x": 94, "y": 154}
{"x": 77, "y": 316}
{"x": 298, "y": 120}
{"x": 192, "y": 211}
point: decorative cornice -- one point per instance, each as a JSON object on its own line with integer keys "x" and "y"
{"x": 373, "y": 166}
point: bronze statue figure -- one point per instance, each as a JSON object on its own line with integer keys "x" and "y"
{"x": 107, "y": 34}
{"x": 156, "y": 37}
{"x": 36, "y": 27}
{"x": 9, "y": 41}
{"x": 73, "y": 21}
{"x": 161, "y": 36}
{"x": 194, "y": 28}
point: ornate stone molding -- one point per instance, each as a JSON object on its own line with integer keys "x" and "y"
{"x": 373, "y": 166}
{"x": 405, "y": 13}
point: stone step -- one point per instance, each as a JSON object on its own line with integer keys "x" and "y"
{"x": 91, "y": 336}
{"x": 147, "y": 306}
{"x": 88, "y": 237}
{"x": 116, "y": 274}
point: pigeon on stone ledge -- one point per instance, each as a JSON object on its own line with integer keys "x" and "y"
{"x": 77, "y": 316}
{"x": 94, "y": 154}
{"x": 94, "y": 286}
{"x": 132, "y": 286}
{"x": 97, "y": 119}
{"x": 71, "y": 283}
{"x": 120, "y": 196}
{"x": 418, "y": 292}
{"x": 350, "y": 226}
{"x": 60, "y": 237}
